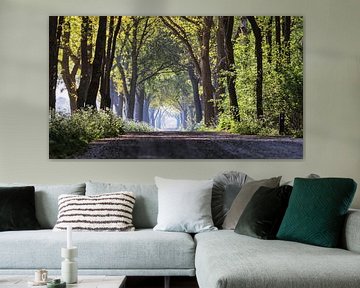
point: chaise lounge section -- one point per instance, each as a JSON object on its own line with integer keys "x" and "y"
{"x": 225, "y": 259}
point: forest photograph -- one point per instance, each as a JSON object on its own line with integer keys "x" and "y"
{"x": 176, "y": 87}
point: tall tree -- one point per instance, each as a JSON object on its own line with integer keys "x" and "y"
{"x": 86, "y": 51}
{"x": 139, "y": 107}
{"x": 278, "y": 32}
{"x": 201, "y": 60}
{"x": 220, "y": 87}
{"x": 108, "y": 63}
{"x": 145, "y": 52}
{"x": 286, "y": 33}
{"x": 105, "y": 76}
{"x": 230, "y": 63}
{"x": 195, "y": 86}
{"x": 68, "y": 73}
{"x": 259, "y": 66}
{"x": 195, "y": 65}
{"x": 269, "y": 33}
{"x": 55, "y": 30}
{"x": 97, "y": 63}
{"x": 278, "y": 40}
{"x": 209, "y": 110}
{"x": 139, "y": 35}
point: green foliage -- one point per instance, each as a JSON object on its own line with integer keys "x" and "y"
{"x": 132, "y": 126}
{"x": 69, "y": 135}
{"x": 282, "y": 83}
{"x": 248, "y": 126}
{"x": 200, "y": 127}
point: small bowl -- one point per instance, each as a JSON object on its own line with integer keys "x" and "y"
{"x": 56, "y": 283}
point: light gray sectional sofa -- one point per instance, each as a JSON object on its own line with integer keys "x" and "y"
{"x": 219, "y": 259}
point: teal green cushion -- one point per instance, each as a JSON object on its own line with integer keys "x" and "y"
{"x": 316, "y": 211}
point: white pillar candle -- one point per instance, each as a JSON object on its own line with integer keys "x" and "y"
{"x": 69, "y": 237}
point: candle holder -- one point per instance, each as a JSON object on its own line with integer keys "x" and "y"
{"x": 69, "y": 270}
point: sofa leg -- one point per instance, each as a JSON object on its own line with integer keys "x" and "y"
{"x": 167, "y": 282}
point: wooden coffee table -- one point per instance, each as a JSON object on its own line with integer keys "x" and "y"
{"x": 84, "y": 281}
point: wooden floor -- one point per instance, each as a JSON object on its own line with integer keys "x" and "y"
{"x": 158, "y": 282}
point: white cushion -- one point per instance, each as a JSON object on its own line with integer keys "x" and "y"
{"x": 184, "y": 205}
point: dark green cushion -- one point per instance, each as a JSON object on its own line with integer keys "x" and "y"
{"x": 316, "y": 211}
{"x": 17, "y": 208}
{"x": 264, "y": 213}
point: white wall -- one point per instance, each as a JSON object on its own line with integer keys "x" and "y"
{"x": 331, "y": 93}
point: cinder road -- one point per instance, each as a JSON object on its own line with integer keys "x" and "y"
{"x": 193, "y": 145}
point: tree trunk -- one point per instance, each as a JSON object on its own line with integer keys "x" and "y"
{"x": 278, "y": 41}
{"x": 55, "y": 30}
{"x": 152, "y": 117}
{"x": 108, "y": 63}
{"x": 184, "y": 115}
{"x": 220, "y": 88}
{"x": 116, "y": 104}
{"x": 68, "y": 77}
{"x": 259, "y": 66}
{"x": 140, "y": 103}
{"x": 287, "y": 32}
{"x": 126, "y": 94}
{"x": 195, "y": 86}
{"x": 134, "y": 70}
{"x": 97, "y": 63}
{"x": 230, "y": 63}
{"x": 158, "y": 119}
{"x": 53, "y": 55}
{"x": 278, "y": 32}
{"x": 105, "y": 77}
{"x": 146, "y": 117}
{"x": 121, "y": 105}
{"x": 209, "y": 111}
{"x": 85, "y": 76}
{"x": 269, "y": 39}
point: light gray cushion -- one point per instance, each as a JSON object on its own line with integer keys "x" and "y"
{"x": 310, "y": 176}
{"x": 184, "y": 205}
{"x": 46, "y": 200}
{"x": 243, "y": 198}
{"x": 226, "y": 187}
{"x": 146, "y": 204}
{"x": 225, "y": 259}
{"x": 143, "y": 249}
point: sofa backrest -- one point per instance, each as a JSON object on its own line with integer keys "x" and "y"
{"x": 146, "y": 203}
{"x": 46, "y": 200}
{"x": 351, "y": 235}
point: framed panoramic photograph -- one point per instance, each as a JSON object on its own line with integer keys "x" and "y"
{"x": 176, "y": 87}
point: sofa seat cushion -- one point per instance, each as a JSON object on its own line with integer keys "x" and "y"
{"x": 225, "y": 259}
{"x": 141, "y": 249}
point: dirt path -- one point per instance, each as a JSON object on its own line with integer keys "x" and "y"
{"x": 191, "y": 145}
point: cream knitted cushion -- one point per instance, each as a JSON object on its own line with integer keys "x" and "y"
{"x": 105, "y": 212}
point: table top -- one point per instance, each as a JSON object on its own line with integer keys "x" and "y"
{"x": 84, "y": 281}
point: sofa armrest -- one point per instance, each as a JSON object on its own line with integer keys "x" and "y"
{"x": 351, "y": 234}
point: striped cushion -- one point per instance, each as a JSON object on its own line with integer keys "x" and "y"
{"x": 105, "y": 212}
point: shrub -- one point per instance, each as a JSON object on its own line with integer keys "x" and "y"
{"x": 70, "y": 134}
{"x": 132, "y": 126}
{"x": 246, "y": 126}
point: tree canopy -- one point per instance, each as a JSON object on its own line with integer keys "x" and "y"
{"x": 228, "y": 73}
